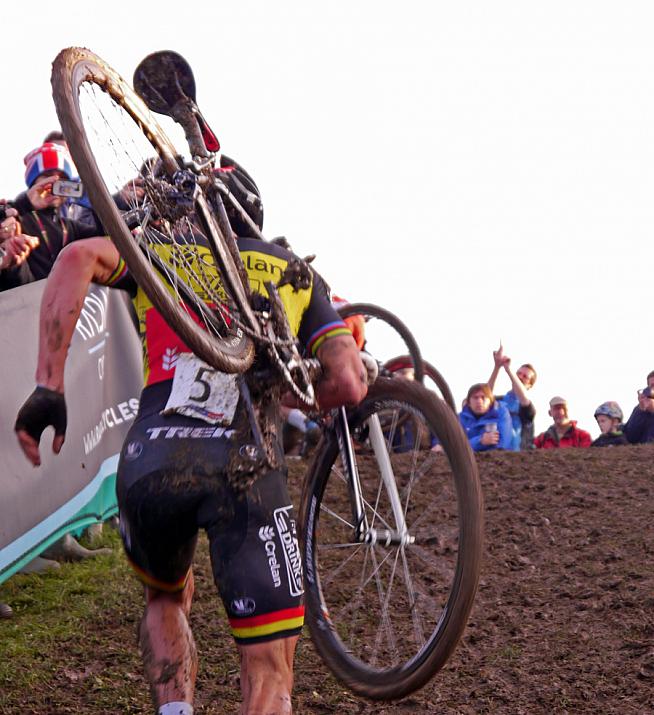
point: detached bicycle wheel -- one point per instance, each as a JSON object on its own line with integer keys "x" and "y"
{"x": 388, "y": 595}
{"x": 120, "y": 151}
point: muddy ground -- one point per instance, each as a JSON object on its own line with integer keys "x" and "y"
{"x": 563, "y": 621}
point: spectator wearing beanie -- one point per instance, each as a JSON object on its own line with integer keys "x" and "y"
{"x": 38, "y": 216}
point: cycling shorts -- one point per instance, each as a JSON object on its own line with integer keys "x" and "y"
{"x": 171, "y": 483}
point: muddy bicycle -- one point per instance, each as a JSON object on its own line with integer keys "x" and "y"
{"x": 391, "y": 529}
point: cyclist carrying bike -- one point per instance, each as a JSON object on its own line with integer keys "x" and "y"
{"x": 181, "y": 470}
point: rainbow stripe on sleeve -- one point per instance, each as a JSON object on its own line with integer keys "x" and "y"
{"x": 119, "y": 272}
{"x": 330, "y": 330}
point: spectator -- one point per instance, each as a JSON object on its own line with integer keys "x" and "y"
{"x": 33, "y": 234}
{"x": 486, "y": 421}
{"x": 564, "y": 432}
{"x": 639, "y": 428}
{"x": 520, "y": 407}
{"x": 76, "y": 209}
{"x": 609, "y": 418}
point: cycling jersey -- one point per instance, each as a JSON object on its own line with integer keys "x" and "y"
{"x": 311, "y": 317}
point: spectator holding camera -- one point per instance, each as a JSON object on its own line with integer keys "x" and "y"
{"x": 33, "y": 233}
{"x": 609, "y": 419}
{"x": 487, "y": 422}
{"x": 639, "y": 428}
{"x": 564, "y": 432}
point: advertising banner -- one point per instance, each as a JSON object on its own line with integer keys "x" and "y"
{"x": 102, "y": 383}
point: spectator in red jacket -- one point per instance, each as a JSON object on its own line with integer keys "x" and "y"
{"x": 564, "y": 432}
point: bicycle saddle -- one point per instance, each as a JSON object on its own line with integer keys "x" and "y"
{"x": 164, "y": 80}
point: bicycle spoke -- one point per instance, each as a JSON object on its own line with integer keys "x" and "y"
{"x": 127, "y": 160}
{"x": 415, "y": 613}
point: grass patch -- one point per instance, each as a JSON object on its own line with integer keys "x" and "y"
{"x": 57, "y": 616}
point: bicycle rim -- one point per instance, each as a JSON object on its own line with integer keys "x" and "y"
{"x": 115, "y": 143}
{"x": 385, "y": 619}
{"x": 386, "y": 335}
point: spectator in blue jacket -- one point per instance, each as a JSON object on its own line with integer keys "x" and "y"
{"x": 640, "y": 425}
{"x": 487, "y": 423}
{"x": 517, "y": 402}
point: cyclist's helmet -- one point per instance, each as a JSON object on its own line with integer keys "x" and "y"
{"x": 246, "y": 192}
{"x": 610, "y": 409}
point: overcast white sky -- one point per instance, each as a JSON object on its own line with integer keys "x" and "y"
{"x": 485, "y": 170}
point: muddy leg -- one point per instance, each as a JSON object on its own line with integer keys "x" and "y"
{"x": 167, "y": 645}
{"x": 267, "y": 677}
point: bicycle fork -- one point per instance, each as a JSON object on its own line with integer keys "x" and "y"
{"x": 365, "y": 532}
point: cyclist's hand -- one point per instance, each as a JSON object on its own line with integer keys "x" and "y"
{"x": 43, "y": 408}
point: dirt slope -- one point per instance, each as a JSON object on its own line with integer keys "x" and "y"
{"x": 564, "y": 619}
{"x": 563, "y": 622}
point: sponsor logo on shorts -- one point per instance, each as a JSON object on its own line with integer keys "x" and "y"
{"x": 288, "y": 535}
{"x": 133, "y": 451}
{"x": 267, "y": 535}
{"x": 243, "y": 606}
{"x": 283, "y": 532}
{"x": 189, "y": 432}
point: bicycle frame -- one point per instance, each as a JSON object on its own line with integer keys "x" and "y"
{"x": 363, "y": 532}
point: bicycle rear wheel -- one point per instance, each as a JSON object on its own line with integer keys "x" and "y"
{"x": 119, "y": 149}
{"x": 386, "y": 608}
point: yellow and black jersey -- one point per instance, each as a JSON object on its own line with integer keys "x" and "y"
{"x": 311, "y": 316}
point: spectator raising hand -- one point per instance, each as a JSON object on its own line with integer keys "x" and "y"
{"x": 516, "y": 401}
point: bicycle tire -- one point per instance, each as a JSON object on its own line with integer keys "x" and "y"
{"x": 365, "y": 651}
{"x": 73, "y": 68}
{"x": 376, "y": 312}
{"x": 401, "y": 362}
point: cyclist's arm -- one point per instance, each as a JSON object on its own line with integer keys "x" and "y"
{"x": 77, "y": 266}
{"x": 344, "y": 379}
{"x": 80, "y": 263}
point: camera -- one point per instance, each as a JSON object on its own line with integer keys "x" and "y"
{"x": 68, "y": 189}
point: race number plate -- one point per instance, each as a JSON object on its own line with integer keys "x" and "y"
{"x": 202, "y": 392}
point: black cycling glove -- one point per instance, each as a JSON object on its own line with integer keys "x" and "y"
{"x": 41, "y": 409}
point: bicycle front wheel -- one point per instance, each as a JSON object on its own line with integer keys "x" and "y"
{"x": 388, "y": 592}
{"x": 120, "y": 151}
